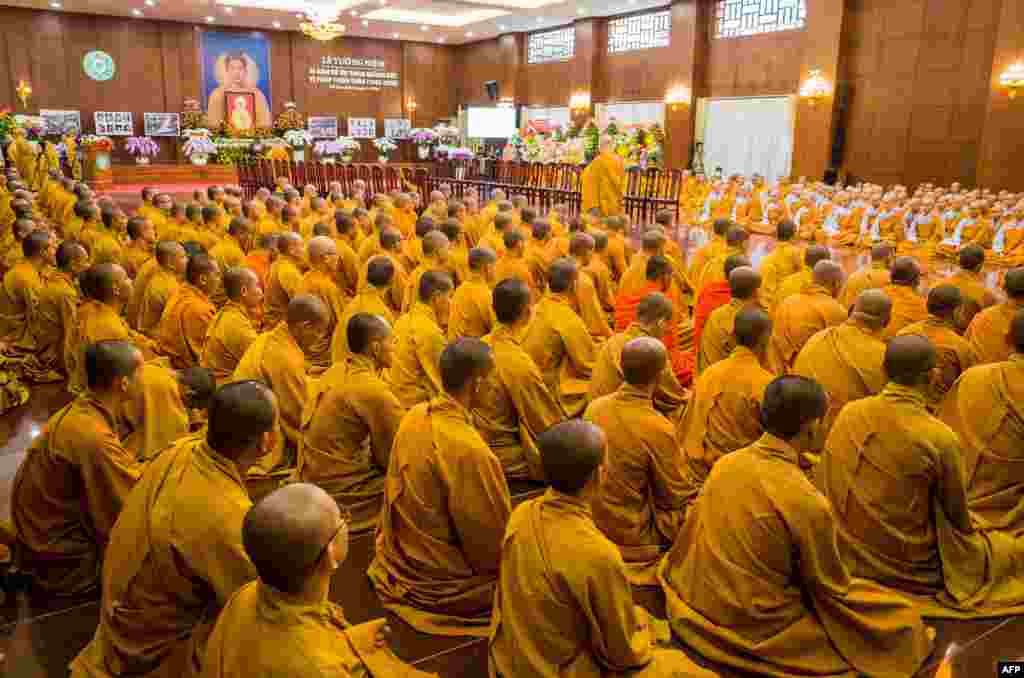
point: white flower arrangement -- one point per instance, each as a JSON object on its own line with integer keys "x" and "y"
{"x": 384, "y": 145}
{"x": 198, "y": 146}
{"x": 447, "y": 134}
{"x": 298, "y": 138}
{"x": 196, "y": 132}
{"x": 348, "y": 144}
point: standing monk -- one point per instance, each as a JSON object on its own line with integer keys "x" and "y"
{"x": 234, "y": 328}
{"x": 181, "y": 333}
{"x": 799, "y": 317}
{"x": 603, "y": 182}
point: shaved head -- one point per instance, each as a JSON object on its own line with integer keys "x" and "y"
{"x": 906, "y": 271}
{"x": 463, "y": 360}
{"x": 321, "y": 247}
{"x": 643, "y": 360}
{"x": 166, "y": 251}
{"x": 972, "y": 257}
{"x": 240, "y": 415}
{"x": 1017, "y": 332}
{"x": 736, "y": 237}
{"x": 828, "y": 274}
{"x": 237, "y": 280}
{"x": 873, "y": 308}
{"x": 814, "y": 254}
{"x": 571, "y": 453}
{"x": 581, "y": 244}
{"x": 434, "y": 243}
{"x": 881, "y": 252}
{"x": 306, "y": 308}
{"x": 380, "y": 271}
{"x": 654, "y": 308}
{"x": 290, "y": 243}
{"x": 108, "y": 361}
{"x": 1013, "y": 283}
{"x": 562, "y": 275}
{"x": 365, "y": 328}
{"x": 944, "y": 300}
{"x": 909, "y": 359}
{"x": 752, "y": 328}
{"x": 744, "y": 282}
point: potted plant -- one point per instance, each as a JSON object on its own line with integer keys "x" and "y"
{"x": 349, "y": 147}
{"x": 328, "y": 151}
{"x": 143, "y": 149}
{"x": 198, "y": 149}
{"x": 298, "y": 139}
{"x": 98, "y": 148}
{"x": 424, "y": 139}
{"x": 384, "y": 147}
{"x": 446, "y": 134}
{"x": 461, "y": 155}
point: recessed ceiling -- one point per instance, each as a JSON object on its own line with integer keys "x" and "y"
{"x": 447, "y": 21}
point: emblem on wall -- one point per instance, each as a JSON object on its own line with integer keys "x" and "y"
{"x": 99, "y": 65}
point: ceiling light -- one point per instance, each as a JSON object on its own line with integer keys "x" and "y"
{"x": 383, "y": 2}
{"x": 322, "y": 26}
{"x": 632, "y": 2}
{"x": 354, "y": 13}
{"x": 150, "y": 3}
{"x": 228, "y": 10}
{"x": 470, "y": 34}
{"x": 277, "y": 24}
{"x": 395, "y": 36}
{"x": 209, "y": 20}
{"x": 424, "y": 28}
{"x": 442, "y": 39}
{"x": 581, "y": 11}
{"x": 55, "y": 5}
{"x": 365, "y": 23}
{"x": 540, "y": 19}
{"x": 299, "y": 16}
{"x": 501, "y": 28}
{"x": 137, "y": 12}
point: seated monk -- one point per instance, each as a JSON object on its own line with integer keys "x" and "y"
{"x": 894, "y": 475}
{"x": 985, "y": 408}
{"x": 164, "y": 405}
{"x": 559, "y": 342}
{"x": 736, "y": 244}
{"x": 598, "y": 270}
{"x": 846, "y": 360}
{"x": 800, "y": 317}
{"x": 634, "y": 280}
{"x": 472, "y": 314}
{"x": 1008, "y": 244}
{"x": 987, "y": 328}
{"x": 284, "y": 279}
{"x": 875, "y": 276}
{"x": 278, "y": 359}
{"x": 156, "y": 286}
{"x": 321, "y": 282}
{"x": 715, "y": 337}
{"x": 446, "y": 504}
{"x": 908, "y": 307}
{"x": 516, "y": 404}
{"x": 955, "y": 354}
{"x": 619, "y": 253}
{"x": 923, "y": 232}
{"x": 157, "y": 610}
{"x": 390, "y": 242}
{"x": 74, "y": 480}
{"x": 349, "y": 423}
{"x": 412, "y": 245}
{"x": 755, "y": 580}
{"x": 435, "y": 258}
{"x": 723, "y": 416}
{"x": 233, "y": 329}
{"x": 288, "y": 606}
{"x": 419, "y": 340}
{"x": 19, "y": 292}
{"x": 783, "y": 261}
{"x": 262, "y": 257}
{"x": 380, "y": 271}
{"x": 553, "y": 561}
{"x": 181, "y": 332}
{"x": 14, "y": 253}
{"x": 231, "y": 250}
{"x": 512, "y": 263}
{"x": 653, "y": 319}
{"x": 643, "y": 493}
{"x": 974, "y": 228}
{"x": 711, "y": 249}
{"x": 139, "y": 250}
{"x": 795, "y": 283}
{"x": 587, "y": 303}
{"x": 975, "y": 294}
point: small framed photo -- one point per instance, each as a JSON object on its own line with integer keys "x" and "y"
{"x": 240, "y": 109}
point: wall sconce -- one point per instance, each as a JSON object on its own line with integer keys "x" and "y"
{"x": 506, "y": 102}
{"x": 410, "y": 104}
{"x": 24, "y": 91}
{"x": 677, "y": 97}
{"x": 579, "y": 102}
{"x": 1012, "y": 79}
{"x": 815, "y": 88}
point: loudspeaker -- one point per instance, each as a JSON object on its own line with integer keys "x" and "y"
{"x": 492, "y": 89}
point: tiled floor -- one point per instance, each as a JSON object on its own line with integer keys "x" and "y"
{"x": 40, "y": 637}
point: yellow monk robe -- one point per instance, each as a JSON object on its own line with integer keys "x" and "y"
{"x": 894, "y": 475}
{"x": 348, "y": 427}
{"x": 18, "y": 297}
{"x": 847, "y": 361}
{"x": 564, "y": 606}
{"x": 97, "y": 322}
{"x": 644, "y": 491}
{"x": 989, "y": 329}
{"x": 322, "y": 285}
{"x": 1012, "y": 253}
{"x": 969, "y": 230}
{"x": 785, "y": 260}
{"x": 154, "y": 299}
{"x": 756, "y": 582}
{"x": 259, "y": 261}
{"x": 319, "y": 640}
{"x": 133, "y": 259}
{"x": 348, "y": 267}
{"x": 50, "y": 325}
{"x": 67, "y": 494}
{"x": 603, "y": 283}
{"x": 798, "y": 319}
{"x": 587, "y": 304}
{"x": 792, "y": 285}
{"x": 563, "y": 349}
{"x": 972, "y": 289}
{"x": 985, "y": 408}
{"x": 516, "y": 268}
{"x": 183, "y": 326}
{"x": 228, "y": 337}
{"x": 874, "y": 277}
{"x": 23, "y": 156}
{"x": 516, "y": 406}
{"x": 395, "y": 295}
{"x": 711, "y": 249}
{"x": 405, "y": 221}
{"x": 669, "y": 395}
{"x": 415, "y": 375}
{"x": 725, "y": 412}
{"x": 104, "y": 247}
{"x": 955, "y": 356}
{"x": 146, "y": 273}
{"x": 928, "y": 231}
{"x": 472, "y": 312}
{"x": 412, "y": 252}
{"x": 228, "y": 253}
{"x": 369, "y": 300}
{"x": 276, "y": 359}
{"x": 175, "y": 558}
{"x": 283, "y": 283}
{"x": 157, "y": 415}
{"x": 618, "y": 255}
{"x": 603, "y": 185}
{"x": 908, "y": 307}
{"x": 437, "y": 559}
{"x": 716, "y": 338}
{"x": 458, "y": 262}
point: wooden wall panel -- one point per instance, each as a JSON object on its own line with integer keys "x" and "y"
{"x": 428, "y": 73}
{"x": 754, "y": 65}
{"x": 1000, "y": 157}
{"x": 478, "y": 63}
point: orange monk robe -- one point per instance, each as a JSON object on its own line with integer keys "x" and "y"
{"x": 348, "y": 426}
{"x": 283, "y": 284}
{"x": 472, "y": 312}
{"x": 603, "y": 185}
{"x": 18, "y": 297}
{"x": 183, "y": 326}
{"x": 564, "y": 606}
{"x": 395, "y": 295}
{"x": 682, "y": 361}
{"x": 105, "y": 248}
{"x": 985, "y": 408}
{"x": 792, "y": 285}
{"x": 711, "y": 298}
{"x": 163, "y": 585}
{"x": 669, "y": 395}
{"x": 411, "y": 293}
{"x": 538, "y": 257}
{"x": 785, "y": 260}
{"x": 908, "y": 307}
{"x": 644, "y": 492}
{"x": 160, "y": 288}
{"x": 972, "y": 289}
{"x": 847, "y": 361}
{"x": 724, "y": 414}
{"x": 228, "y": 337}
{"x": 415, "y": 375}
{"x": 437, "y": 558}
{"x": 412, "y": 252}
{"x": 228, "y": 253}
{"x": 1012, "y": 254}
{"x": 718, "y": 339}
{"x": 348, "y": 267}
{"x": 133, "y": 307}
{"x": 405, "y": 222}
{"x": 588, "y": 306}
{"x": 618, "y": 255}
{"x": 797, "y": 320}
{"x": 603, "y": 283}
{"x": 133, "y": 258}
{"x": 258, "y": 261}
{"x": 895, "y": 477}
{"x": 972, "y": 231}
{"x": 322, "y": 285}
{"x": 955, "y": 356}
{"x": 874, "y": 277}
{"x": 157, "y": 413}
{"x": 563, "y": 349}
{"x": 516, "y": 268}
{"x": 97, "y": 322}
{"x": 756, "y": 582}
{"x": 369, "y": 300}
{"x": 458, "y": 263}
{"x": 67, "y": 494}
{"x": 50, "y": 325}
{"x": 711, "y": 249}
{"x": 516, "y": 407}
{"x": 989, "y": 329}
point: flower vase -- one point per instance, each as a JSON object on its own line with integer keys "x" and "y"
{"x": 298, "y": 154}
{"x": 346, "y": 158}
{"x": 424, "y": 152}
{"x": 102, "y": 160}
{"x": 142, "y": 160}
{"x": 199, "y": 158}
{"x": 382, "y": 159}
{"x": 328, "y": 160}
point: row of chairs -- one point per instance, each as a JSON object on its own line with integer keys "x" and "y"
{"x": 378, "y": 178}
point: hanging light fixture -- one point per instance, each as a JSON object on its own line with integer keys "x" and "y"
{"x": 322, "y": 26}
{"x": 815, "y": 87}
{"x": 1012, "y": 79}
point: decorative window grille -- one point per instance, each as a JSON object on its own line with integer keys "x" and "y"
{"x": 557, "y": 45}
{"x": 640, "y": 31}
{"x": 735, "y": 18}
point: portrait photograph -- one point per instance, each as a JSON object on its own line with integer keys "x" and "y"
{"x": 236, "y": 78}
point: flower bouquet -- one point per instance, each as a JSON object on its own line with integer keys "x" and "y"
{"x": 298, "y": 139}
{"x": 384, "y": 147}
{"x": 277, "y": 152}
{"x": 328, "y": 151}
{"x": 446, "y": 134}
{"x": 97, "y": 144}
{"x": 143, "y": 149}
{"x": 463, "y": 155}
{"x": 198, "y": 149}
{"x": 290, "y": 119}
{"x": 349, "y": 147}
{"x": 423, "y": 139}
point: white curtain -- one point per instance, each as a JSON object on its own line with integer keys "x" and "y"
{"x": 553, "y": 116}
{"x": 630, "y": 113}
{"x": 748, "y": 136}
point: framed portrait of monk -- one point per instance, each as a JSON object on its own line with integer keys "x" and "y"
{"x": 236, "y": 78}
